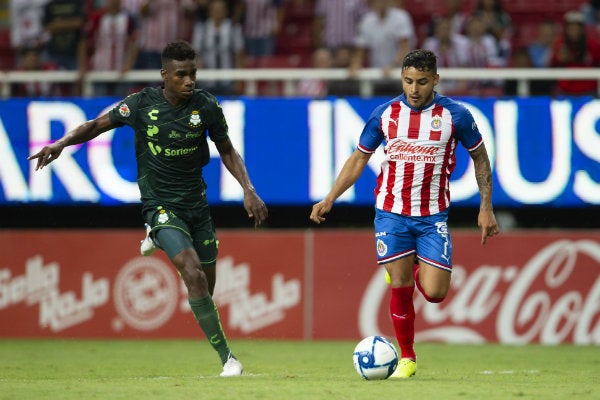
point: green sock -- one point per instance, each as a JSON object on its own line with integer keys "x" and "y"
{"x": 207, "y": 315}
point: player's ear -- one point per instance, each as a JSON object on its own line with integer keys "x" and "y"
{"x": 436, "y": 79}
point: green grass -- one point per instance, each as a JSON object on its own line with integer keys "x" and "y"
{"x": 289, "y": 370}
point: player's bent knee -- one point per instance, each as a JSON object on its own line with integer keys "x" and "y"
{"x": 432, "y": 299}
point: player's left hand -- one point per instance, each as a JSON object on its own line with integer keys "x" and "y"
{"x": 255, "y": 208}
{"x": 319, "y": 210}
{"x": 488, "y": 225}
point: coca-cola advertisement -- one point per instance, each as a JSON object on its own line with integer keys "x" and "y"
{"x": 521, "y": 287}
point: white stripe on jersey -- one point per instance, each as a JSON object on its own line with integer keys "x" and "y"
{"x": 419, "y": 157}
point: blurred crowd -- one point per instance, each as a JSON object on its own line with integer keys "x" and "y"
{"x": 123, "y": 35}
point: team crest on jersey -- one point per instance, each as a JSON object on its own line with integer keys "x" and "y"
{"x": 381, "y": 247}
{"x": 195, "y": 120}
{"x": 436, "y": 123}
{"x": 124, "y": 110}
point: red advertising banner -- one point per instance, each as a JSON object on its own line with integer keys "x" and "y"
{"x": 521, "y": 287}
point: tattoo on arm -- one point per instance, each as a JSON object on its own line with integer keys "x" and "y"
{"x": 483, "y": 175}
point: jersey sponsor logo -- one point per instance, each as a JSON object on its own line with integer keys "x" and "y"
{"x": 195, "y": 120}
{"x": 156, "y": 150}
{"x": 400, "y": 150}
{"x": 381, "y": 248}
{"x": 180, "y": 152}
{"x": 153, "y": 115}
{"x": 152, "y": 130}
{"x": 124, "y": 110}
{"x": 400, "y": 146}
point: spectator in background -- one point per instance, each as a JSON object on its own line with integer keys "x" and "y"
{"x": 262, "y": 24}
{"x": 26, "y": 29}
{"x": 111, "y": 44}
{"x": 455, "y": 12}
{"x": 539, "y": 53}
{"x": 482, "y": 54}
{"x": 63, "y": 21}
{"x": 219, "y": 43}
{"x": 519, "y": 59}
{"x": 385, "y": 35}
{"x": 234, "y": 11}
{"x": 342, "y": 58}
{"x": 316, "y": 88}
{"x": 336, "y": 22}
{"x": 540, "y": 49}
{"x": 161, "y": 22}
{"x": 133, "y": 7}
{"x": 452, "y": 51}
{"x": 498, "y": 24}
{"x": 574, "y": 49}
{"x": 591, "y": 13}
{"x": 31, "y": 60}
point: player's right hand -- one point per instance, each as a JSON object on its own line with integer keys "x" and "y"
{"x": 318, "y": 210}
{"x": 46, "y": 155}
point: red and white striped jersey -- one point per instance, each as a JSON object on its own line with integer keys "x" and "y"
{"x": 111, "y": 36}
{"x": 419, "y": 152}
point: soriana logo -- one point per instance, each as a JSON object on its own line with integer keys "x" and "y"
{"x": 554, "y": 297}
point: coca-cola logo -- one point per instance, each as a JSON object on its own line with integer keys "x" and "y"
{"x": 553, "y": 297}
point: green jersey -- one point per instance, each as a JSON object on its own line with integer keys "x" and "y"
{"x": 171, "y": 144}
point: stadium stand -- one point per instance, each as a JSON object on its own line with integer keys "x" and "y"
{"x": 295, "y": 43}
{"x": 7, "y": 55}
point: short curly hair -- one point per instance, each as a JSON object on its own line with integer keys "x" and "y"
{"x": 421, "y": 59}
{"x": 180, "y": 51}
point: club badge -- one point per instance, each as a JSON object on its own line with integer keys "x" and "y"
{"x": 195, "y": 120}
{"x": 436, "y": 123}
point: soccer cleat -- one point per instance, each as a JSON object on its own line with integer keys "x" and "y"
{"x": 232, "y": 367}
{"x": 405, "y": 369}
{"x": 147, "y": 246}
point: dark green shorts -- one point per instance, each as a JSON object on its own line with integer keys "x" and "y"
{"x": 184, "y": 229}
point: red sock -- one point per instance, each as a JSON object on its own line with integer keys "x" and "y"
{"x": 402, "y": 311}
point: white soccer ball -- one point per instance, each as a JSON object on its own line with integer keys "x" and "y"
{"x": 375, "y": 357}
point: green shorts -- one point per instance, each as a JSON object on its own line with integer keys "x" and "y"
{"x": 184, "y": 229}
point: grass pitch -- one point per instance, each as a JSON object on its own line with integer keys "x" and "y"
{"x": 183, "y": 369}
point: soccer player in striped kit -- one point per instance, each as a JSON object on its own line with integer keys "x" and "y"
{"x": 420, "y": 130}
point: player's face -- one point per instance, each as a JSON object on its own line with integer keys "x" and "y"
{"x": 418, "y": 86}
{"x": 179, "y": 79}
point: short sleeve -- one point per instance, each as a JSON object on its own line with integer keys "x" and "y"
{"x": 217, "y": 130}
{"x": 467, "y": 131}
{"x": 124, "y": 112}
{"x": 371, "y": 136}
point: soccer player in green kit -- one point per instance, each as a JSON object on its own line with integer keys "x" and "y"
{"x": 171, "y": 125}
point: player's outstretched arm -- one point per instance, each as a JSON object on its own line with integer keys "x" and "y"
{"x": 83, "y": 133}
{"x": 349, "y": 174}
{"x": 486, "y": 219}
{"x": 234, "y": 163}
